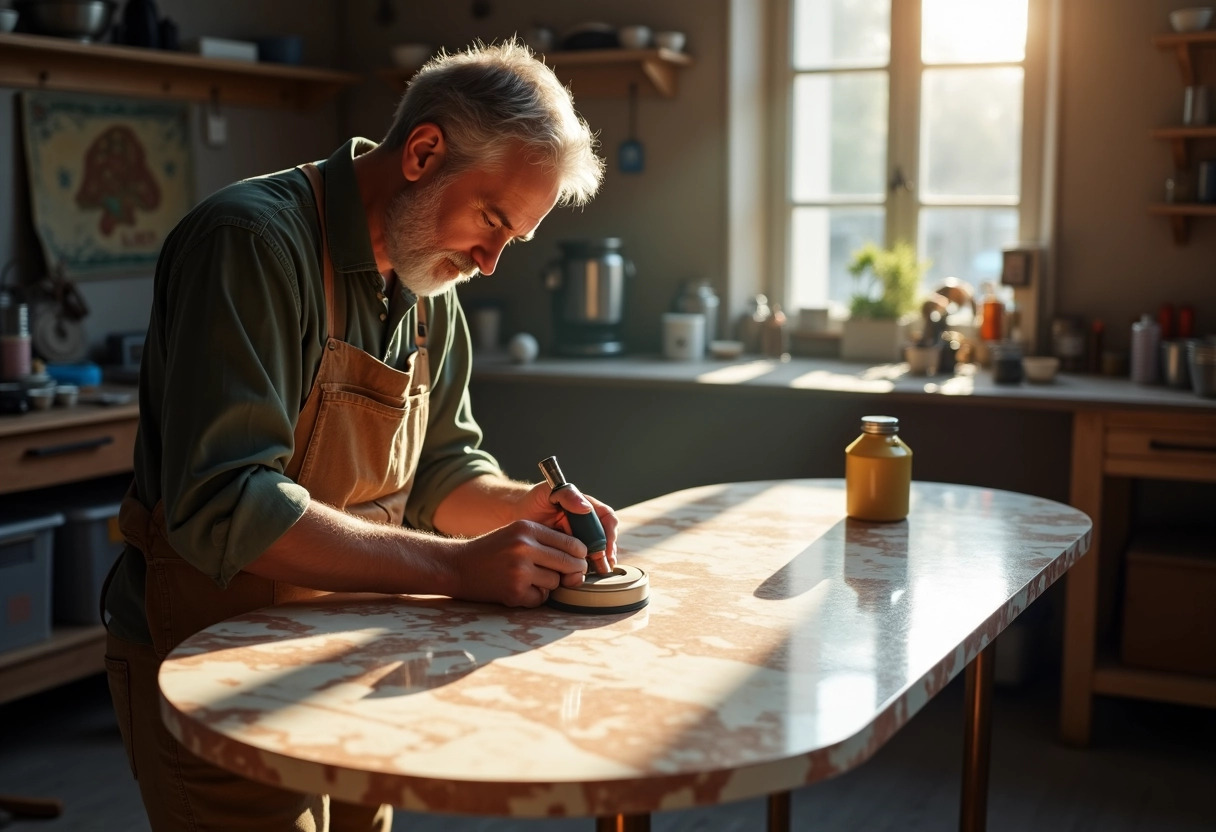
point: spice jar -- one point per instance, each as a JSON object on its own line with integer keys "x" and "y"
{"x": 877, "y": 472}
{"x": 14, "y": 339}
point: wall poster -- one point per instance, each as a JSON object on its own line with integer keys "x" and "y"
{"x": 109, "y": 178}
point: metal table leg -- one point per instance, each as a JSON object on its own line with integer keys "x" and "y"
{"x": 779, "y": 812}
{"x": 623, "y": 823}
{"x": 977, "y": 741}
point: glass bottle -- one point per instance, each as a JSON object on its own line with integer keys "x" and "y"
{"x": 992, "y": 310}
{"x": 751, "y": 321}
{"x": 878, "y": 471}
{"x": 14, "y": 339}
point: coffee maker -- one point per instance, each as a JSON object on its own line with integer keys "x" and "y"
{"x": 588, "y": 292}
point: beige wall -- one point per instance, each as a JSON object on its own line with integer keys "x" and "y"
{"x": 1115, "y": 261}
{"x": 671, "y": 218}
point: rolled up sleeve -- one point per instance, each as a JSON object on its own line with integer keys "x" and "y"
{"x": 232, "y": 364}
{"x": 451, "y": 452}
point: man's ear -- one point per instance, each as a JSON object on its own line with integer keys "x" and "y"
{"x": 423, "y": 152}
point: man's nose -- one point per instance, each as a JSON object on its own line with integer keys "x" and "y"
{"x": 486, "y": 257}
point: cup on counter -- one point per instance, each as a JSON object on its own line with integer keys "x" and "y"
{"x": 683, "y": 336}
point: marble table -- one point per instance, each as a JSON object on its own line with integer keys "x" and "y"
{"x": 783, "y": 644}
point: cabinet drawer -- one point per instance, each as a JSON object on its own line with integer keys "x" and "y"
{"x": 66, "y": 454}
{"x": 1183, "y": 452}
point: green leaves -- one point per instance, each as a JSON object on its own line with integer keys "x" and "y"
{"x": 891, "y": 280}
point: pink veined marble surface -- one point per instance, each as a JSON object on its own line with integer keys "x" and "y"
{"x": 783, "y": 644}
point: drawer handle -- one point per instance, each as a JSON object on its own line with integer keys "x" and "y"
{"x": 1156, "y": 445}
{"x": 70, "y": 447}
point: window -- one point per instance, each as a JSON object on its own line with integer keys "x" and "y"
{"x": 908, "y": 120}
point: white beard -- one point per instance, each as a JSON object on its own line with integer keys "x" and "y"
{"x": 412, "y": 241}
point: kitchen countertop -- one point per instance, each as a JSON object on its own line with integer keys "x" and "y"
{"x": 752, "y": 373}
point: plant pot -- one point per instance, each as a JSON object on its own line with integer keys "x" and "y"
{"x": 873, "y": 339}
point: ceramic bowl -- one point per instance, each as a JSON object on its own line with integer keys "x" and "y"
{"x": 670, "y": 40}
{"x": 1040, "y": 369}
{"x": 41, "y": 398}
{"x": 66, "y": 395}
{"x": 1194, "y": 19}
{"x": 634, "y": 37}
{"x": 82, "y": 20}
{"x": 726, "y": 349}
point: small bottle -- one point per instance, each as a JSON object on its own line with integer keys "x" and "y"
{"x": 1146, "y": 338}
{"x": 1093, "y": 350}
{"x": 878, "y": 472}
{"x": 751, "y": 321}
{"x": 992, "y": 310}
{"x": 774, "y": 339}
{"x": 14, "y": 339}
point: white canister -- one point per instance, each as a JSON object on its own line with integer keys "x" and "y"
{"x": 1146, "y": 339}
{"x": 683, "y": 336}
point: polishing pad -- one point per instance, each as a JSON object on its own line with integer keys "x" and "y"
{"x": 625, "y": 589}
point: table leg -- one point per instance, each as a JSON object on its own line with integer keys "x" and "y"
{"x": 977, "y": 735}
{"x": 779, "y": 812}
{"x": 623, "y": 823}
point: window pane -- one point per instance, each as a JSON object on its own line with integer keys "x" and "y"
{"x": 973, "y": 31}
{"x": 840, "y": 136}
{"x": 971, "y": 133}
{"x": 836, "y": 33}
{"x": 823, "y": 241}
{"x": 965, "y": 242}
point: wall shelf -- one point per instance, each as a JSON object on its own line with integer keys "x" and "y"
{"x": 1184, "y": 46}
{"x": 39, "y": 62}
{"x": 1179, "y": 137}
{"x": 601, "y": 73}
{"x": 1180, "y": 214}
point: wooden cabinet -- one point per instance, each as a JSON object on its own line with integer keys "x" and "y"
{"x": 51, "y": 448}
{"x": 1181, "y": 138}
{"x": 1110, "y": 448}
{"x": 40, "y": 62}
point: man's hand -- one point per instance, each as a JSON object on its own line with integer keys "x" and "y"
{"x": 518, "y": 565}
{"x": 534, "y": 504}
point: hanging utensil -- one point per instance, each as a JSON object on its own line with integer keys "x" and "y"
{"x": 631, "y": 156}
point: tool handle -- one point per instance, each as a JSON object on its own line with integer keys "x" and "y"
{"x": 588, "y": 528}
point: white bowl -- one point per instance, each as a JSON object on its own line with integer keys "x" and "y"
{"x": 725, "y": 349}
{"x": 1194, "y": 19}
{"x": 1040, "y": 369}
{"x": 412, "y": 55}
{"x": 634, "y": 37}
{"x": 8, "y": 19}
{"x": 41, "y": 398}
{"x": 669, "y": 40}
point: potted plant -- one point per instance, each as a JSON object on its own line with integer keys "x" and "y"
{"x": 883, "y": 305}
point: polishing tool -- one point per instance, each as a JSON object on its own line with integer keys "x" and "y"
{"x": 625, "y": 589}
{"x": 586, "y": 527}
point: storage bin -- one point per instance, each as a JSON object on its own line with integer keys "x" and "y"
{"x": 26, "y": 543}
{"x": 1169, "y": 603}
{"x": 86, "y": 546}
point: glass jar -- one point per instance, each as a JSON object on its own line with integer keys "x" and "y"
{"x": 14, "y": 339}
{"x": 878, "y": 472}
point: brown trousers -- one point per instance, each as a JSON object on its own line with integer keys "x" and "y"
{"x": 182, "y": 792}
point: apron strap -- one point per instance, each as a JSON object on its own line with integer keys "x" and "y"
{"x": 335, "y": 312}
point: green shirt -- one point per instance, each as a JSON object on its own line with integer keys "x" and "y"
{"x": 234, "y": 341}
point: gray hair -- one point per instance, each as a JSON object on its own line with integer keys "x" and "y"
{"x": 487, "y": 98}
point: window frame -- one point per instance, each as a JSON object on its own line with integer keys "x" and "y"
{"x": 905, "y": 69}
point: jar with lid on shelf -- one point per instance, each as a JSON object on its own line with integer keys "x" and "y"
{"x": 878, "y": 472}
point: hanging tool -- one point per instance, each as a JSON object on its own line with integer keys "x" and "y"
{"x": 631, "y": 156}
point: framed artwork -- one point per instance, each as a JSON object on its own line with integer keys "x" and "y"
{"x": 109, "y": 178}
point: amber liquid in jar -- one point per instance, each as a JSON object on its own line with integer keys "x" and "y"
{"x": 878, "y": 472}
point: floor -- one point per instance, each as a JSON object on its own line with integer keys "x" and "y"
{"x": 1151, "y": 769}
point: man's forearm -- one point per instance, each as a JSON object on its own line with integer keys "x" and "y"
{"x": 331, "y": 550}
{"x": 480, "y": 505}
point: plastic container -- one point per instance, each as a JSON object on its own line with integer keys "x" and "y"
{"x": 25, "y": 578}
{"x": 878, "y": 472}
{"x": 86, "y": 546}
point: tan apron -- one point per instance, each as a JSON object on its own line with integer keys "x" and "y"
{"x": 357, "y": 443}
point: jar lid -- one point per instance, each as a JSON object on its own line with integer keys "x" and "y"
{"x": 879, "y": 424}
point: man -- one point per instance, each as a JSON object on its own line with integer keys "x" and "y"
{"x": 304, "y": 412}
